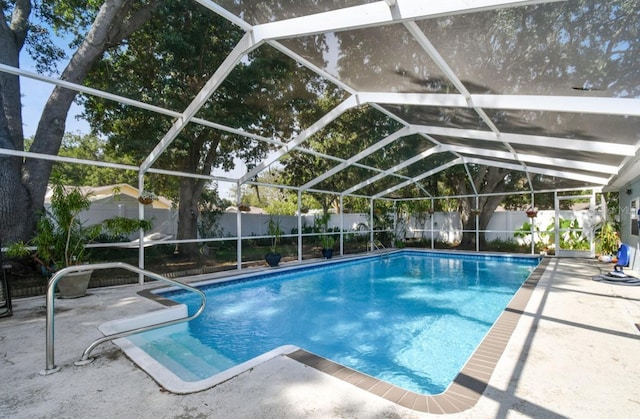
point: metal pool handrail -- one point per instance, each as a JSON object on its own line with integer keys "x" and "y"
{"x": 51, "y": 367}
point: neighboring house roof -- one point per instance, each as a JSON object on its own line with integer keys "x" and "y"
{"x": 97, "y": 193}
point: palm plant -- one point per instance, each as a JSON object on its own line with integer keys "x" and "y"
{"x": 61, "y": 237}
{"x": 273, "y": 226}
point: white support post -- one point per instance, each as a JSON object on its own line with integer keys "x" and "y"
{"x": 239, "y": 227}
{"x": 592, "y": 207}
{"x": 299, "y": 226}
{"x": 141, "y": 231}
{"x": 395, "y": 223}
{"x": 371, "y": 228}
{"x": 477, "y": 215}
{"x": 341, "y": 225}
{"x": 433, "y": 215}
{"x": 533, "y": 230}
{"x": 556, "y": 226}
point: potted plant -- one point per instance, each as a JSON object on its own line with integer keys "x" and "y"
{"x": 326, "y": 240}
{"x": 273, "y": 257}
{"x": 147, "y": 198}
{"x": 61, "y": 238}
{"x": 327, "y": 246}
{"x": 608, "y": 241}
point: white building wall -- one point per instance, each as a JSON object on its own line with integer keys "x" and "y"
{"x": 629, "y": 228}
{"x": 165, "y": 221}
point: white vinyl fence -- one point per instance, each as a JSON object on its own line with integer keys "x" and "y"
{"x": 442, "y": 226}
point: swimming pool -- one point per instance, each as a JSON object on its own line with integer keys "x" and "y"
{"x": 411, "y": 318}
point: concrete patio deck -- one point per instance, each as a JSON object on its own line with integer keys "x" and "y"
{"x": 574, "y": 353}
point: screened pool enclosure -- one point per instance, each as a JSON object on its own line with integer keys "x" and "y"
{"x": 421, "y": 117}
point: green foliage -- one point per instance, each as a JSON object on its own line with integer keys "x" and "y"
{"x": 167, "y": 64}
{"x": 61, "y": 237}
{"x": 273, "y": 226}
{"x": 211, "y": 207}
{"x": 327, "y": 241}
{"x": 18, "y": 249}
{"x": 90, "y": 147}
{"x": 69, "y": 15}
{"x": 607, "y": 233}
{"x": 353, "y": 131}
{"x": 571, "y": 237}
{"x": 608, "y": 240}
{"x": 524, "y": 231}
{"x": 321, "y": 223}
{"x": 188, "y": 43}
{"x": 499, "y": 245}
{"x": 122, "y": 226}
{"x": 42, "y": 49}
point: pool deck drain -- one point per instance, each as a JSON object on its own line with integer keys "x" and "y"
{"x": 469, "y": 384}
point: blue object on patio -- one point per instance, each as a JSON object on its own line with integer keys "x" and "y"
{"x": 624, "y": 254}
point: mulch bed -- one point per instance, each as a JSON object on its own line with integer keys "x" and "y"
{"x": 25, "y": 281}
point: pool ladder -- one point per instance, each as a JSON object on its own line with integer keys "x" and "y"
{"x": 51, "y": 366}
{"x": 377, "y": 244}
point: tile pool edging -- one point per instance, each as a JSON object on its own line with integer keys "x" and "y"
{"x": 470, "y": 383}
{"x": 462, "y": 394}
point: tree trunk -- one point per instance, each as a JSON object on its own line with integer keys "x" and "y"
{"x": 487, "y": 206}
{"x": 487, "y": 180}
{"x": 23, "y": 185}
{"x": 14, "y": 205}
{"x": 188, "y": 212}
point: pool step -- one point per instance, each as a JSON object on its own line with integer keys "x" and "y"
{"x": 187, "y": 357}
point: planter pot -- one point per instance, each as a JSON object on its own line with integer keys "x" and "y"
{"x": 74, "y": 285}
{"x": 145, "y": 200}
{"x": 327, "y": 253}
{"x": 273, "y": 259}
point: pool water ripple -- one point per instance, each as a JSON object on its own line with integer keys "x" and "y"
{"x": 412, "y": 319}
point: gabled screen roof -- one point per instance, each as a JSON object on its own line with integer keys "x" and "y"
{"x": 550, "y": 89}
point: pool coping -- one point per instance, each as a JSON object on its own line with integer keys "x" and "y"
{"x": 470, "y": 383}
{"x": 462, "y": 394}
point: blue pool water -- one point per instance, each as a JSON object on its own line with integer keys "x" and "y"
{"x": 412, "y": 318}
